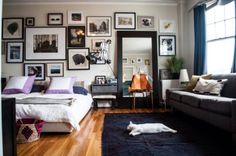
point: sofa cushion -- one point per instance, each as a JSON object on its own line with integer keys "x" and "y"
{"x": 192, "y": 100}
{"x": 217, "y": 104}
{"x": 229, "y": 87}
{"x": 176, "y": 95}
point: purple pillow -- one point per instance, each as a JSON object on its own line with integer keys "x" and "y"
{"x": 61, "y": 85}
{"x": 19, "y": 84}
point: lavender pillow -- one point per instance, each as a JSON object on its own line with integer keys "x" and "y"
{"x": 61, "y": 85}
{"x": 19, "y": 84}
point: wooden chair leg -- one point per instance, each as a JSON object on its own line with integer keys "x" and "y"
{"x": 134, "y": 101}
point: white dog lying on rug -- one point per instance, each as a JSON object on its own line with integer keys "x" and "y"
{"x": 137, "y": 129}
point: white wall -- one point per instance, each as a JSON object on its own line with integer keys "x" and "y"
{"x": 39, "y": 11}
{"x": 1, "y": 143}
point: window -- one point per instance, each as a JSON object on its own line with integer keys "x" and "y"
{"x": 220, "y": 33}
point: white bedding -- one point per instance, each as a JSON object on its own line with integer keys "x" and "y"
{"x": 72, "y": 114}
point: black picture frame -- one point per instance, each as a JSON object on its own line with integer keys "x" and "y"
{"x": 37, "y": 69}
{"x": 29, "y": 21}
{"x": 77, "y": 59}
{"x": 55, "y": 19}
{"x": 76, "y": 36}
{"x": 100, "y": 79}
{"x": 165, "y": 74}
{"x": 12, "y": 28}
{"x": 124, "y": 20}
{"x": 167, "y": 45}
{"x": 15, "y": 52}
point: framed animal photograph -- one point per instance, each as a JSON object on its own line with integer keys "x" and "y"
{"x": 125, "y": 20}
{"x": 76, "y": 36}
{"x": 55, "y": 69}
{"x": 77, "y": 59}
{"x": 15, "y": 52}
{"x": 99, "y": 26}
{"x": 12, "y": 28}
{"x": 37, "y": 69}
{"x": 55, "y": 19}
{"x": 29, "y": 21}
{"x": 145, "y": 22}
{"x": 167, "y": 45}
{"x": 45, "y": 43}
{"x": 75, "y": 17}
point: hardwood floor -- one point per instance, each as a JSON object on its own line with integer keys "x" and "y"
{"x": 86, "y": 142}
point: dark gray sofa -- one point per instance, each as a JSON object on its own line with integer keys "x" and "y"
{"x": 219, "y": 111}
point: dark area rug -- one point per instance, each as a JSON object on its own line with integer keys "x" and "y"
{"x": 194, "y": 137}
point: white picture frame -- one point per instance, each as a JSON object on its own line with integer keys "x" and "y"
{"x": 125, "y": 20}
{"x": 53, "y": 40}
{"x": 167, "y": 26}
{"x": 75, "y": 17}
{"x": 76, "y": 59}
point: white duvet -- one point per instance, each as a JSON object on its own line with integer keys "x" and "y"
{"x": 72, "y": 114}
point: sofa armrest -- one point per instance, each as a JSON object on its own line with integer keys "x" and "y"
{"x": 234, "y": 123}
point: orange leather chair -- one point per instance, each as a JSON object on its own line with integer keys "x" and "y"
{"x": 140, "y": 84}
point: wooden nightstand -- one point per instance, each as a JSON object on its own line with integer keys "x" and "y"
{"x": 104, "y": 92}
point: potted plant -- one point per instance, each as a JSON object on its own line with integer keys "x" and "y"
{"x": 174, "y": 64}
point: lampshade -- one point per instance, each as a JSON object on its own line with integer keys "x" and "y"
{"x": 183, "y": 77}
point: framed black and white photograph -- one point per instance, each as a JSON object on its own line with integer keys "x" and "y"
{"x": 37, "y": 69}
{"x": 145, "y": 22}
{"x": 95, "y": 58}
{"x": 76, "y": 36}
{"x": 96, "y": 43}
{"x": 167, "y": 26}
{"x": 15, "y": 52}
{"x": 133, "y": 60}
{"x": 100, "y": 79}
{"x": 55, "y": 19}
{"x": 165, "y": 74}
{"x": 45, "y": 43}
{"x": 99, "y": 26}
{"x": 12, "y": 28}
{"x": 75, "y": 17}
{"x": 167, "y": 45}
{"x": 125, "y": 20}
{"x": 55, "y": 69}
{"x": 76, "y": 59}
{"x": 29, "y": 21}
{"x": 147, "y": 62}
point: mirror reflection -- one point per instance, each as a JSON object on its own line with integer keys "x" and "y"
{"x": 137, "y": 59}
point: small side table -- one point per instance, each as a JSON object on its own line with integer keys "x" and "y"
{"x": 104, "y": 92}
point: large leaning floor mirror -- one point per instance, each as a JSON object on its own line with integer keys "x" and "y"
{"x": 137, "y": 69}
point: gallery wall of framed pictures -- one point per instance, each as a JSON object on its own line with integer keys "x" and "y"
{"x": 70, "y": 40}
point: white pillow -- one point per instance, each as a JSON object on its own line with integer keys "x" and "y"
{"x": 209, "y": 86}
{"x": 19, "y": 84}
{"x": 61, "y": 85}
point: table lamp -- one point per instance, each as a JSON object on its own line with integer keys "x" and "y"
{"x": 183, "y": 78}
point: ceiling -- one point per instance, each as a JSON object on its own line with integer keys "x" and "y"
{"x": 90, "y": 1}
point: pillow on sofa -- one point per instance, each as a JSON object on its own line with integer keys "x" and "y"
{"x": 194, "y": 80}
{"x": 61, "y": 85}
{"x": 213, "y": 87}
{"x": 19, "y": 84}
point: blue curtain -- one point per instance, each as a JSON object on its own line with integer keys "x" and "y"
{"x": 200, "y": 40}
{"x": 234, "y": 59}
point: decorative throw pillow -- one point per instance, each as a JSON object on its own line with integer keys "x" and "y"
{"x": 213, "y": 87}
{"x": 61, "y": 85}
{"x": 19, "y": 84}
{"x": 194, "y": 80}
{"x": 80, "y": 90}
{"x": 37, "y": 88}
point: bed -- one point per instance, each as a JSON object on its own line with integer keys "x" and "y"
{"x": 58, "y": 117}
